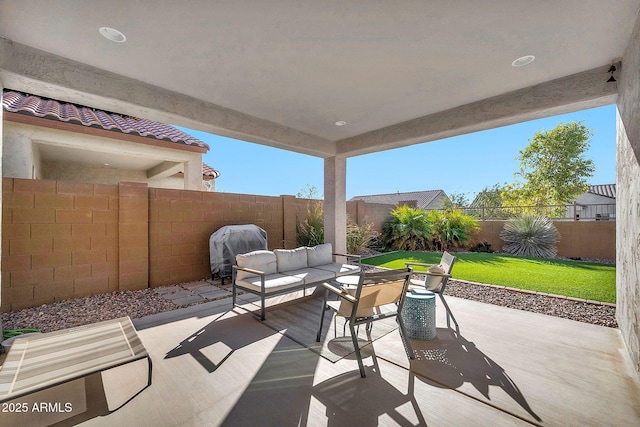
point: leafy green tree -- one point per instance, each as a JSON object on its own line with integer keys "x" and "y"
{"x": 554, "y": 168}
{"x": 455, "y": 201}
{"x": 488, "y": 203}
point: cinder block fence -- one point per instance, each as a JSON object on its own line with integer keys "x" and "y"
{"x": 65, "y": 240}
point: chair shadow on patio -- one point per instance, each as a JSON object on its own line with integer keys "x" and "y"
{"x": 347, "y": 397}
{"x": 213, "y": 344}
{"x": 450, "y": 360}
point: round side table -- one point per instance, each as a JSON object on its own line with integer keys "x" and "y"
{"x": 419, "y": 315}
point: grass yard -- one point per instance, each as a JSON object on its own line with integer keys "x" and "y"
{"x": 570, "y": 278}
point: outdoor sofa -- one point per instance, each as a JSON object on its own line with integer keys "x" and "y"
{"x": 270, "y": 273}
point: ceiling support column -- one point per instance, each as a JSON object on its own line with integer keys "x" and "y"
{"x": 1, "y": 146}
{"x": 335, "y": 205}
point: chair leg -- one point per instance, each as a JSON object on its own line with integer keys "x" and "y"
{"x": 354, "y": 338}
{"x": 324, "y": 308}
{"x": 449, "y": 313}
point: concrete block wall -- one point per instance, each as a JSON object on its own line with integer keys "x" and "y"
{"x": 60, "y": 240}
{"x": 181, "y": 222}
{"x": 64, "y": 240}
{"x": 584, "y": 239}
{"x": 133, "y": 236}
{"x": 374, "y": 213}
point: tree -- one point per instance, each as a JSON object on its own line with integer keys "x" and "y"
{"x": 554, "y": 168}
{"x": 488, "y": 203}
{"x": 455, "y": 201}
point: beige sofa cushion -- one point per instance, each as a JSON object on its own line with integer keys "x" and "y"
{"x": 291, "y": 259}
{"x": 312, "y": 275}
{"x": 340, "y": 269}
{"x": 272, "y": 282}
{"x": 264, "y": 261}
{"x": 320, "y": 255}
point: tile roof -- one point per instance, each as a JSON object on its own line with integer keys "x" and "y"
{"x": 209, "y": 171}
{"x": 606, "y": 190}
{"x": 37, "y": 106}
{"x": 422, "y": 198}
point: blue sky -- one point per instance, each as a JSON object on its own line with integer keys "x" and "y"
{"x": 463, "y": 164}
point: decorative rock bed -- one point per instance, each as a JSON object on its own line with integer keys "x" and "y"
{"x": 137, "y": 304}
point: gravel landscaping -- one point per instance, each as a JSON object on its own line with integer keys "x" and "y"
{"x": 137, "y": 304}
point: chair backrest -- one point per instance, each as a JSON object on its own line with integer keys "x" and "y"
{"x": 374, "y": 291}
{"x": 447, "y": 261}
{"x": 434, "y": 282}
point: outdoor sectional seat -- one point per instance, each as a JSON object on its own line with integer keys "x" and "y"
{"x": 270, "y": 273}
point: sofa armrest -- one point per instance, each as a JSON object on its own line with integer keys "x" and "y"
{"x": 249, "y": 270}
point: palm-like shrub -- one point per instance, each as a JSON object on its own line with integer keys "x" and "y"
{"x": 530, "y": 235}
{"x": 408, "y": 229}
{"x": 452, "y": 228}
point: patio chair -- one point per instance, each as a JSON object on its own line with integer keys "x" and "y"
{"x": 435, "y": 279}
{"x": 377, "y": 296}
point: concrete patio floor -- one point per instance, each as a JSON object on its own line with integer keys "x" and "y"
{"x": 214, "y": 366}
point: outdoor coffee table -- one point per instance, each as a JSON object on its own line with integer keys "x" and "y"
{"x": 40, "y": 361}
{"x": 419, "y": 315}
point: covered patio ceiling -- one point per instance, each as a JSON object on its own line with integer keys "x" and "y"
{"x": 283, "y": 73}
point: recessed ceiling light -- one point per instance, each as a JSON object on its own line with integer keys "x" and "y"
{"x": 523, "y": 60}
{"x": 112, "y": 34}
{"x": 340, "y": 123}
{"x": 107, "y": 164}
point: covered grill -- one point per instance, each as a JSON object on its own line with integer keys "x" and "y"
{"x": 231, "y": 240}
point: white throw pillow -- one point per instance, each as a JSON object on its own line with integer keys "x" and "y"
{"x": 433, "y": 282}
{"x": 291, "y": 259}
{"x": 257, "y": 260}
{"x": 320, "y": 255}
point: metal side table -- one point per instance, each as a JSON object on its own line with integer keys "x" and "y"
{"x": 419, "y": 315}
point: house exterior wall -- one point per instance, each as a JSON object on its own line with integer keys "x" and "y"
{"x": 589, "y": 206}
{"x": 68, "y": 171}
{"x": 628, "y": 198}
{"x": 22, "y": 159}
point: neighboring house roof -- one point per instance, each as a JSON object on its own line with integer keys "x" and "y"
{"x": 423, "y": 199}
{"x": 209, "y": 171}
{"x": 605, "y": 190}
{"x": 16, "y": 102}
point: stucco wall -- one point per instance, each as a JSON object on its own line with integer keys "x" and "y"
{"x": 628, "y": 198}
{"x": 22, "y": 158}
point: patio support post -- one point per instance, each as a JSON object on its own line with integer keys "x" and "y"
{"x": 335, "y": 205}
{"x": 1, "y": 145}
{"x": 628, "y": 198}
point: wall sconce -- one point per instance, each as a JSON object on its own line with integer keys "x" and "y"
{"x": 611, "y": 70}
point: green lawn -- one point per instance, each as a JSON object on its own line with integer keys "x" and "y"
{"x": 571, "y": 278}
